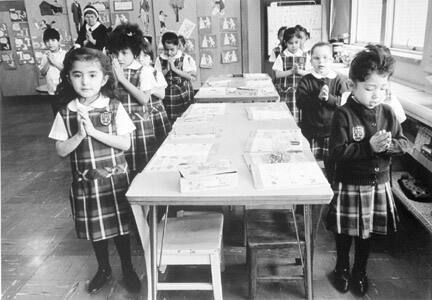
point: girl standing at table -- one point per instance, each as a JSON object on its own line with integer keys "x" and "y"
{"x": 94, "y": 131}
{"x": 364, "y": 135}
{"x": 289, "y": 67}
{"x": 318, "y": 95}
{"x": 140, "y": 89}
{"x": 179, "y": 69}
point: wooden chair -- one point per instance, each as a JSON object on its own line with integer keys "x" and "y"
{"x": 193, "y": 239}
{"x": 268, "y": 230}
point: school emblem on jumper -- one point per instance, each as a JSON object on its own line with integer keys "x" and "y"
{"x": 105, "y": 118}
{"x": 358, "y": 133}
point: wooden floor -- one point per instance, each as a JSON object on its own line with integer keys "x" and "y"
{"x": 42, "y": 259}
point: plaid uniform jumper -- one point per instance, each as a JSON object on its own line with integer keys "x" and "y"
{"x": 286, "y": 85}
{"x": 179, "y": 92}
{"x": 100, "y": 180}
{"x": 151, "y": 122}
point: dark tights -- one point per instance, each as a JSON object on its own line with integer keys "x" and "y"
{"x": 122, "y": 243}
{"x": 362, "y": 250}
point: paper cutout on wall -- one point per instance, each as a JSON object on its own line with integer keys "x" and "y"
{"x": 186, "y": 28}
{"x": 218, "y": 7}
{"x": 22, "y": 43}
{"x": 206, "y": 60}
{"x": 120, "y": 18}
{"x": 4, "y": 38}
{"x": 229, "y": 24}
{"x": 144, "y": 16}
{"x": 25, "y": 58}
{"x": 177, "y": 5}
{"x": 208, "y": 41}
{"x": 204, "y": 24}
{"x": 7, "y": 58}
{"x": 189, "y": 46}
{"x": 50, "y": 8}
{"x": 229, "y": 39}
{"x": 162, "y": 18}
{"x": 21, "y": 29}
{"x": 229, "y": 56}
{"x": 17, "y": 15}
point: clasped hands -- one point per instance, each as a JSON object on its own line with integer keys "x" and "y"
{"x": 381, "y": 141}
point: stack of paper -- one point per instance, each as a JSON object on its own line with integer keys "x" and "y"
{"x": 268, "y": 112}
{"x": 274, "y": 140}
{"x": 287, "y": 175}
{"x": 209, "y": 175}
{"x": 171, "y": 156}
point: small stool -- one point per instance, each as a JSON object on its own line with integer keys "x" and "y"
{"x": 270, "y": 230}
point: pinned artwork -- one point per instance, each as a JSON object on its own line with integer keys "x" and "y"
{"x": 144, "y": 15}
{"x": 25, "y": 57}
{"x": 50, "y": 8}
{"x": 21, "y": 29}
{"x": 189, "y": 46}
{"x": 206, "y": 60}
{"x": 218, "y": 7}
{"x": 4, "y": 38}
{"x": 17, "y": 15}
{"x": 186, "y": 28}
{"x": 229, "y": 24}
{"x": 120, "y": 18}
{"x": 229, "y": 56}
{"x": 22, "y": 43}
{"x": 229, "y": 39}
{"x": 208, "y": 41}
{"x": 204, "y": 24}
{"x": 8, "y": 59}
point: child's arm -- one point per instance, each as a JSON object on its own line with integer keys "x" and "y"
{"x": 187, "y": 75}
{"x": 278, "y": 69}
{"x": 161, "y": 84}
{"x": 141, "y": 96}
{"x": 44, "y": 66}
{"x": 335, "y": 92}
{"x": 399, "y": 143}
{"x": 121, "y": 142}
{"x": 281, "y": 74}
{"x": 53, "y": 62}
{"x": 65, "y": 147}
{"x": 304, "y": 95}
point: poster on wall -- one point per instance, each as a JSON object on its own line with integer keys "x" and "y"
{"x": 189, "y": 46}
{"x": 21, "y": 29}
{"x": 120, "y": 18}
{"x": 229, "y": 56}
{"x": 204, "y": 24}
{"x": 22, "y": 43}
{"x": 50, "y": 8}
{"x": 186, "y": 28}
{"x": 9, "y": 61}
{"x": 144, "y": 16}
{"x": 25, "y": 58}
{"x": 206, "y": 60}
{"x": 17, "y": 15}
{"x": 208, "y": 41}
{"x": 229, "y": 39}
{"x": 229, "y": 24}
{"x": 4, "y": 38}
{"x": 218, "y": 7}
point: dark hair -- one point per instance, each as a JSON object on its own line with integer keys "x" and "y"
{"x": 126, "y": 36}
{"x": 147, "y": 48}
{"x": 281, "y": 30}
{"x": 374, "y": 59}
{"x": 300, "y": 28}
{"x": 290, "y": 33}
{"x": 65, "y": 90}
{"x": 320, "y": 44}
{"x": 170, "y": 38}
{"x": 51, "y": 34}
{"x": 182, "y": 40}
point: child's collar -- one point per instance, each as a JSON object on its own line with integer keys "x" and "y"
{"x": 330, "y": 75}
{"x": 100, "y": 102}
{"x": 135, "y": 65}
{"x": 299, "y": 52}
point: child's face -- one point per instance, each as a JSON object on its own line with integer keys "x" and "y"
{"x": 321, "y": 59}
{"x": 303, "y": 39}
{"x": 372, "y": 91}
{"x": 87, "y": 78}
{"x": 170, "y": 49}
{"x": 125, "y": 57}
{"x": 293, "y": 44}
{"x": 53, "y": 45}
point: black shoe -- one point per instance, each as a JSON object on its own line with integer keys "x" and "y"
{"x": 99, "y": 280}
{"x": 131, "y": 281}
{"x": 341, "y": 280}
{"x": 359, "y": 283}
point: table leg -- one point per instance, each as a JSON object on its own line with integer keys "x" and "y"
{"x": 153, "y": 250}
{"x": 309, "y": 249}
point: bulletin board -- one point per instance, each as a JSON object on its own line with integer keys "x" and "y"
{"x": 290, "y": 13}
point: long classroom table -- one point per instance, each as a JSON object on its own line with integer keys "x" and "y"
{"x": 248, "y": 87}
{"x": 162, "y": 188}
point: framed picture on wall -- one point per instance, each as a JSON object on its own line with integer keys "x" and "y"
{"x": 123, "y": 5}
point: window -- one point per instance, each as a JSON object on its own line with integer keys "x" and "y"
{"x": 399, "y": 24}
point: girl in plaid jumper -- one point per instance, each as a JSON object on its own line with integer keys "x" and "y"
{"x": 94, "y": 130}
{"x": 364, "y": 135}
{"x": 289, "y": 67}
{"x": 140, "y": 90}
{"x": 179, "y": 69}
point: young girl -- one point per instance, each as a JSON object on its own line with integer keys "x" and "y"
{"x": 140, "y": 89}
{"x": 94, "y": 131}
{"x": 179, "y": 69}
{"x": 278, "y": 49}
{"x": 318, "y": 95}
{"x": 364, "y": 136}
{"x": 289, "y": 67}
{"x": 304, "y": 38}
